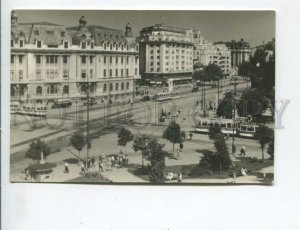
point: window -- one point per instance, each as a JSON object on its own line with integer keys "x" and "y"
{"x": 117, "y": 46}
{"x": 127, "y": 85}
{"x": 122, "y": 60}
{"x": 83, "y": 45}
{"x": 127, "y": 47}
{"x": 127, "y": 60}
{"x": 136, "y": 60}
{"x": 117, "y": 58}
{"x": 151, "y": 52}
{"x": 83, "y": 59}
{"x": 20, "y": 74}
{"x": 104, "y": 73}
{"x": 136, "y": 72}
{"x": 12, "y": 75}
{"x": 127, "y": 72}
{"x": 110, "y": 46}
{"x": 38, "y": 74}
{"x": 91, "y": 73}
{"x": 105, "y": 46}
{"x": 110, "y": 59}
{"x": 36, "y": 32}
{"x": 51, "y": 59}
{"x": 21, "y": 43}
{"x": 117, "y": 73}
{"x": 50, "y": 32}
{"x": 12, "y": 59}
{"x": 65, "y": 59}
{"x": 38, "y": 59}
{"x": 66, "y": 89}
{"x": 92, "y": 45}
{"x": 122, "y": 72}
{"x": 66, "y": 45}
{"x": 11, "y": 43}
{"x": 91, "y": 60}
{"x": 111, "y": 88}
{"x": 104, "y": 59}
{"x": 122, "y": 47}
{"x": 39, "y": 90}
{"x": 122, "y": 86}
{"x": 117, "y": 86}
{"x": 104, "y": 88}
{"x": 39, "y": 44}
{"x": 110, "y": 72}
{"x": 20, "y": 59}
{"x": 65, "y": 73}
{"x": 83, "y": 73}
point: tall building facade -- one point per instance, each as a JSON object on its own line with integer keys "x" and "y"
{"x": 207, "y": 53}
{"x": 240, "y": 51}
{"x": 50, "y": 61}
{"x": 166, "y": 54}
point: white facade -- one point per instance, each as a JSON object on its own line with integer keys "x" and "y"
{"x": 50, "y": 61}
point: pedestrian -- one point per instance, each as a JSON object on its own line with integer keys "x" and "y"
{"x": 244, "y": 150}
{"x": 66, "y": 167}
{"x": 82, "y": 168}
{"x": 179, "y": 177}
{"x": 178, "y": 154}
{"x": 100, "y": 166}
{"x": 93, "y": 160}
{"x": 233, "y": 177}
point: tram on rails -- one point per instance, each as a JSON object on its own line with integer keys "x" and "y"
{"x": 164, "y": 96}
{"x": 228, "y": 127}
{"x": 37, "y": 110}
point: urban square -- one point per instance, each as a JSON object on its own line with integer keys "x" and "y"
{"x": 142, "y": 97}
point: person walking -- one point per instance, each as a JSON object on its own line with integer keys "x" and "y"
{"x": 66, "y": 167}
{"x": 179, "y": 177}
{"x": 100, "y": 166}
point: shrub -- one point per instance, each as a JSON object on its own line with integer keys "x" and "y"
{"x": 157, "y": 172}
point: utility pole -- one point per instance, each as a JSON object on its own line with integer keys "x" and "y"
{"x": 233, "y": 149}
{"x": 88, "y": 119}
{"x": 218, "y": 90}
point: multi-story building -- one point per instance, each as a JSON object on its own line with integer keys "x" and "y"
{"x": 240, "y": 51}
{"x": 50, "y": 61}
{"x": 207, "y": 53}
{"x": 166, "y": 55}
{"x": 268, "y": 48}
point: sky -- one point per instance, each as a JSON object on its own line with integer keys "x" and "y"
{"x": 253, "y": 26}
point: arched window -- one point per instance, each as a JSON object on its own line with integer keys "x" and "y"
{"x": 111, "y": 88}
{"x": 127, "y": 85}
{"x": 39, "y": 90}
{"x": 66, "y": 89}
{"x": 122, "y": 86}
{"x": 83, "y": 88}
{"x": 117, "y": 86}
{"x": 104, "y": 88}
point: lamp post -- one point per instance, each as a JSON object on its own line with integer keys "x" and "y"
{"x": 233, "y": 149}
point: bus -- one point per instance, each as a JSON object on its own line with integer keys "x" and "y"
{"x": 247, "y": 130}
{"x": 228, "y": 127}
{"x": 164, "y": 97}
{"x": 62, "y": 103}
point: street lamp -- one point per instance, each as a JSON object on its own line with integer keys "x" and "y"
{"x": 233, "y": 149}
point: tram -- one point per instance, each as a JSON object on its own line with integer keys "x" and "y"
{"x": 14, "y": 107}
{"x": 227, "y": 125}
{"x": 38, "y": 110}
{"x": 164, "y": 97}
{"x": 247, "y": 130}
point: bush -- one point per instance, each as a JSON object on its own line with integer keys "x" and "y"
{"x": 142, "y": 171}
{"x": 198, "y": 171}
{"x": 157, "y": 172}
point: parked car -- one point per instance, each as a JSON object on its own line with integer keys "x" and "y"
{"x": 61, "y": 103}
{"x": 92, "y": 101}
{"x": 145, "y": 98}
{"x": 195, "y": 89}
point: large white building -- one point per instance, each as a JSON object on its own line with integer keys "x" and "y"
{"x": 208, "y": 53}
{"x": 50, "y": 61}
{"x": 166, "y": 54}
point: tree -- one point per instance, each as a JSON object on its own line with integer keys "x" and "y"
{"x": 270, "y": 150}
{"x": 156, "y": 155}
{"x": 225, "y": 106}
{"x": 140, "y": 143}
{"x": 213, "y": 131}
{"x": 252, "y": 102}
{"x": 212, "y": 72}
{"x": 222, "y": 158}
{"x": 264, "y": 136}
{"x": 124, "y": 136}
{"x": 78, "y": 141}
{"x": 173, "y": 134}
{"x": 36, "y": 148}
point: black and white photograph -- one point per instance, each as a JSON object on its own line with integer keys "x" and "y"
{"x": 142, "y": 97}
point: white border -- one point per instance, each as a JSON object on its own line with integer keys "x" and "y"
{"x": 35, "y": 206}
